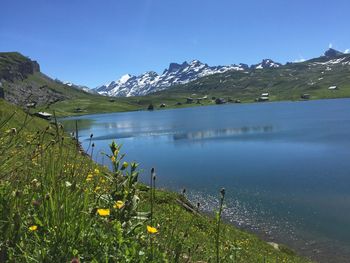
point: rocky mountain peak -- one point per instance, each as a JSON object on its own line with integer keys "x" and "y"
{"x": 332, "y": 53}
{"x": 266, "y": 63}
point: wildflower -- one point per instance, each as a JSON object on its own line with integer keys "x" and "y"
{"x": 152, "y": 230}
{"x": 103, "y": 212}
{"x": 68, "y": 184}
{"x": 115, "y": 153}
{"x": 89, "y": 177}
{"x": 35, "y": 182}
{"x": 97, "y": 171}
{"x": 97, "y": 188}
{"x": 119, "y": 204}
{"x": 113, "y": 159}
{"x": 33, "y": 228}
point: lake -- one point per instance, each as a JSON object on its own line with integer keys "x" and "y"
{"x": 285, "y": 165}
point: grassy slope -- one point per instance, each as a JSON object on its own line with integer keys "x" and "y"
{"x": 178, "y": 228}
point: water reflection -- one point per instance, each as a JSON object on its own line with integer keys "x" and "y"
{"x": 221, "y": 133}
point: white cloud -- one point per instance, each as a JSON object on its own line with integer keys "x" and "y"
{"x": 330, "y": 45}
{"x": 347, "y": 51}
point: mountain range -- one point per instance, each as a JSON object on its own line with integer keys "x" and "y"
{"x": 149, "y": 82}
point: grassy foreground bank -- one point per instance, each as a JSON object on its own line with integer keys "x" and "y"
{"x": 57, "y": 205}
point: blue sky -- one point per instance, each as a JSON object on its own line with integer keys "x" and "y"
{"x": 92, "y": 42}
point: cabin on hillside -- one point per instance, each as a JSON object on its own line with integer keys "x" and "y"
{"x": 189, "y": 100}
{"x": 43, "y": 115}
{"x": 220, "y": 101}
{"x": 31, "y": 105}
{"x": 333, "y": 88}
{"x": 262, "y": 99}
{"x": 266, "y": 94}
{"x": 305, "y": 96}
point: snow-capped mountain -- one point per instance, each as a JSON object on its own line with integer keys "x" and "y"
{"x": 149, "y": 82}
{"x": 266, "y": 63}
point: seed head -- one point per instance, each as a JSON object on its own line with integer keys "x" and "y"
{"x": 222, "y": 192}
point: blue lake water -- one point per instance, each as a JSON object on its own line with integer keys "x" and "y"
{"x": 285, "y": 165}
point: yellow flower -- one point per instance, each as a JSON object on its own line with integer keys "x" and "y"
{"x": 113, "y": 159}
{"x": 116, "y": 152}
{"x": 152, "y": 230}
{"x": 103, "y": 212}
{"x": 119, "y": 204}
{"x": 33, "y": 228}
{"x": 97, "y": 188}
{"x": 89, "y": 177}
{"x": 97, "y": 171}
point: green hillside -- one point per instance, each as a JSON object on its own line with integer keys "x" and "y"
{"x": 288, "y": 82}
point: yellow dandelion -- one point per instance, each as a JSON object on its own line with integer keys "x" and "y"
{"x": 97, "y": 188}
{"x": 89, "y": 177}
{"x": 113, "y": 159}
{"x": 103, "y": 212}
{"x": 97, "y": 171}
{"x": 152, "y": 230}
{"x": 119, "y": 204}
{"x": 33, "y": 228}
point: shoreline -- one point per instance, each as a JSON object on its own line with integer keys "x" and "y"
{"x": 199, "y": 105}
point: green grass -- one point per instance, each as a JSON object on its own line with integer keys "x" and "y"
{"x": 51, "y": 193}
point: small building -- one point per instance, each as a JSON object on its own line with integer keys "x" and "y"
{"x": 266, "y": 94}
{"x": 163, "y": 105}
{"x": 237, "y": 101}
{"x": 31, "y": 105}
{"x": 178, "y": 104}
{"x": 220, "y": 101}
{"x": 199, "y": 100}
{"x": 77, "y": 110}
{"x": 333, "y": 88}
{"x": 305, "y": 96}
{"x": 189, "y": 100}
{"x": 150, "y": 107}
{"x": 43, "y": 115}
{"x": 262, "y": 99}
